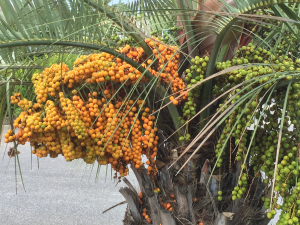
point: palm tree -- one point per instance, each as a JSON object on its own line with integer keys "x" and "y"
{"x": 223, "y": 164}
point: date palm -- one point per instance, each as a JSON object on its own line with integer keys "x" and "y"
{"x": 189, "y": 174}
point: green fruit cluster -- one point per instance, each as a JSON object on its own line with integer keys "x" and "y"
{"x": 194, "y": 75}
{"x": 291, "y": 207}
{"x": 239, "y": 190}
{"x": 261, "y": 70}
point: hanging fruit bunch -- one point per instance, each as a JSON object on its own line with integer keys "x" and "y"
{"x": 85, "y": 112}
{"x": 265, "y": 114}
{"x": 194, "y": 75}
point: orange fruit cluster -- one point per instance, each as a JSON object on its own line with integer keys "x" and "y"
{"x": 79, "y": 114}
{"x": 48, "y": 82}
{"x": 135, "y": 53}
{"x": 15, "y": 98}
{"x": 168, "y": 57}
{"x": 144, "y": 214}
{"x": 103, "y": 67}
{"x": 95, "y": 129}
{"x": 9, "y": 136}
{"x": 166, "y": 206}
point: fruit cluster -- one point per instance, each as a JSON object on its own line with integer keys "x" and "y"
{"x": 79, "y": 112}
{"x": 144, "y": 213}
{"x": 146, "y": 216}
{"x": 93, "y": 130}
{"x": 167, "y": 67}
{"x": 251, "y": 109}
{"x": 103, "y": 67}
{"x": 194, "y": 75}
{"x": 239, "y": 190}
{"x": 167, "y": 205}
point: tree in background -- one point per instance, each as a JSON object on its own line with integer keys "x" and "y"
{"x": 206, "y": 91}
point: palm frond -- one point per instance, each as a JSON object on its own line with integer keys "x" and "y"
{"x": 50, "y": 20}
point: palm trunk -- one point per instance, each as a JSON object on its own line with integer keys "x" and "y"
{"x": 189, "y": 184}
